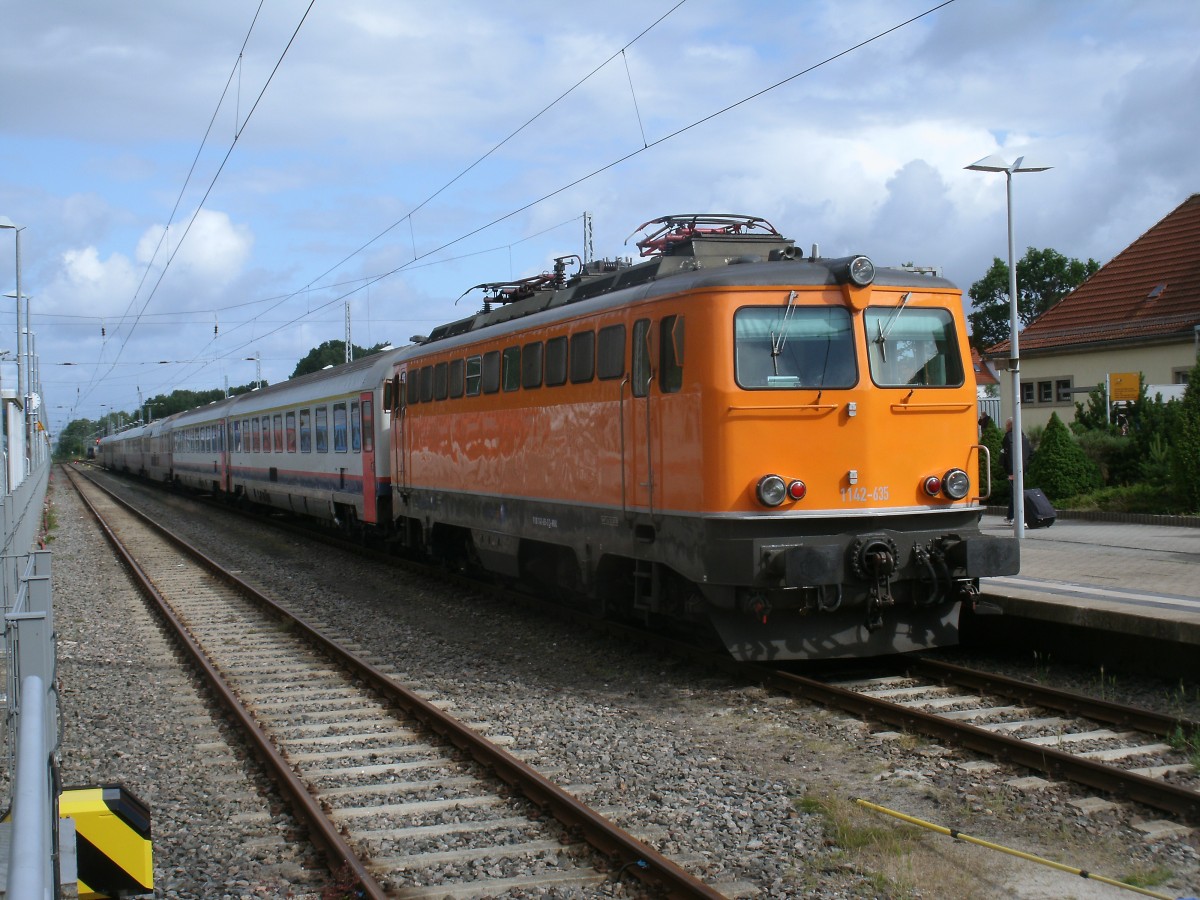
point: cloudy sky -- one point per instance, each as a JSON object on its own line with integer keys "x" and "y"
{"x": 185, "y": 168}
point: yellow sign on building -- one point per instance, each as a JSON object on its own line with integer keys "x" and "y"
{"x": 1124, "y": 385}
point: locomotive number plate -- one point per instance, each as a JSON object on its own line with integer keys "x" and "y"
{"x": 859, "y": 494}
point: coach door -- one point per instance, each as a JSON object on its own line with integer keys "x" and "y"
{"x": 223, "y": 456}
{"x": 366, "y": 428}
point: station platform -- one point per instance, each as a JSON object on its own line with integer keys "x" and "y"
{"x": 1125, "y": 589}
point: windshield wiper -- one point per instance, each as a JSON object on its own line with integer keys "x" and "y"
{"x": 778, "y": 340}
{"x": 891, "y": 323}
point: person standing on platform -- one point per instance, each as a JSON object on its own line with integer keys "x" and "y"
{"x": 1006, "y": 456}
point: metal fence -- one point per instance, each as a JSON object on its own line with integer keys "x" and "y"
{"x": 31, "y": 723}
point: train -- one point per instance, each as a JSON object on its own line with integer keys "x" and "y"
{"x": 724, "y": 433}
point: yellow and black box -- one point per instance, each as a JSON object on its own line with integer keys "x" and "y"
{"x": 112, "y": 841}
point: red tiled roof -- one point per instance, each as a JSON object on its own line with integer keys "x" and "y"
{"x": 1150, "y": 289}
{"x": 983, "y": 373}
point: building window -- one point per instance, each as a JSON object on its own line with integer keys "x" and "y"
{"x": 1063, "y": 390}
{"x": 1027, "y": 388}
{"x": 1045, "y": 392}
{"x": 1180, "y": 376}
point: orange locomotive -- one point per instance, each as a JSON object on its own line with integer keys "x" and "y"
{"x": 728, "y": 432}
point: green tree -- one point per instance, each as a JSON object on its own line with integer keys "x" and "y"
{"x": 1060, "y": 467}
{"x": 1185, "y": 446}
{"x": 1043, "y": 278}
{"x": 993, "y": 438}
{"x": 331, "y": 353}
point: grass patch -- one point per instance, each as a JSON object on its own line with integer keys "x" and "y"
{"x": 1187, "y": 743}
{"x": 1130, "y": 498}
{"x": 1147, "y": 876}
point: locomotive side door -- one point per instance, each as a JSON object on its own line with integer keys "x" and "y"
{"x": 399, "y": 407}
{"x": 638, "y": 475}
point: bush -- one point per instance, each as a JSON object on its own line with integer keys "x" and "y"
{"x": 1060, "y": 467}
{"x": 992, "y": 438}
{"x": 1114, "y": 455}
{"x": 1185, "y": 447}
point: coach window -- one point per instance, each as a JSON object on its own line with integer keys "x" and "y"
{"x": 279, "y": 432}
{"x": 412, "y": 392}
{"x": 640, "y": 372}
{"x": 356, "y": 425}
{"x": 290, "y": 428}
{"x": 456, "y": 378}
{"x": 255, "y": 435}
{"x": 306, "y": 431}
{"x": 236, "y": 425}
{"x": 322, "y": 423}
{"x": 670, "y": 361}
{"x": 610, "y": 354}
{"x": 440, "y": 381}
{"x": 556, "y": 361}
{"x": 426, "y": 384}
{"x": 267, "y": 448}
{"x": 510, "y": 368}
{"x": 909, "y": 347}
{"x": 583, "y": 356}
{"x": 781, "y": 347}
{"x": 474, "y": 375}
{"x": 531, "y": 366}
{"x": 339, "y": 427}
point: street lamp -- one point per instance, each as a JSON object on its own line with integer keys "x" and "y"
{"x": 996, "y": 164}
{"x": 5, "y": 222}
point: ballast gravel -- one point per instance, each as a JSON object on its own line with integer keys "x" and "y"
{"x": 748, "y": 790}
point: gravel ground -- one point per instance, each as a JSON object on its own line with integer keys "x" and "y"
{"x": 741, "y": 786}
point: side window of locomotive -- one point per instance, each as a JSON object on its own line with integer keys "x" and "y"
{"x": 531, "y": 366}
{"x": 388, "y": 388}
{"x": 491, "y": 371}
{"x": 278, "y": 432}
{"x": 322, "y": 429}
{"x": 426, "y": 384}
{"x": 474, "y": 375}
{"x": 306, "y": 431}
{"x": 355, "y": 427}
{"x": 413, "y": 390}
{"x": 441, "y": 382}
{"x": 583, "y": 356}
{"x": 510, "y": 368}
{"x": 640, "y": 372}
{"x": 290, "y": 428}
{"x": 910, "y": 347}
{"x": 780, "y": 347}
{"x": 456, "y": 378}
{"x": 670, "y": 360}
{"x": 339, "y": 428}
{"x": 556, "y": 361}
{"x": 610, "y": 356}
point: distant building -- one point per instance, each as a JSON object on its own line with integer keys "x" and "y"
{"x": 1139, "y": 313}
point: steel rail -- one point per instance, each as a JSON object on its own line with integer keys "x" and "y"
{"x": 1068, "y": 702}
{"x": 1172, "y": 798}
{"x": 326, "y": 833}
{"x": 622, "y": 849}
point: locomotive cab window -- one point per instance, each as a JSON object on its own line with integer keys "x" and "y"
{"x": 670, "y": 360}
{"x": 781, "y": 347}
{"x": 912, "y": 347}
{"x": 641, "y": 372}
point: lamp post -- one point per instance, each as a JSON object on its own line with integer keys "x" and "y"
{"x": 996, "y": 164}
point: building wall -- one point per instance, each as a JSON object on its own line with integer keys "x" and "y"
{"x": 1159, "y": 364}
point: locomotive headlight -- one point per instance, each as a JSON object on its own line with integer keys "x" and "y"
{"x": 932, "y": 485}
{"x": 862, "y": 271}
{"x": 956, "y": 483}
{"x": 772, "y": 490}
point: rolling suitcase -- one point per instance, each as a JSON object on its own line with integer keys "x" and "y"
{"x": 1038, "y": 511}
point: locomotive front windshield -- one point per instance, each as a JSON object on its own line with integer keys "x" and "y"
{"x": 794, "y": 347}
{"x": 910, "y": 347}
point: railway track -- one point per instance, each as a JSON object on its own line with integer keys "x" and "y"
{"x": 1121, "y": 750}
{"x": 404, "y": 799}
